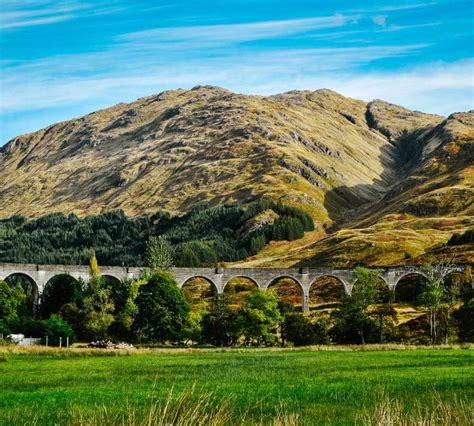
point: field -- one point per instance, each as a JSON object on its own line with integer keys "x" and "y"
{"x": 274, "y": 386}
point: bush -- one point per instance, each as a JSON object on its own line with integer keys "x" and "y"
{"x": 353, "y": 326}
{"x": 299, "y": 330}
{"x": 55, "y": 328}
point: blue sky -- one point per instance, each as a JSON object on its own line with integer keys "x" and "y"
{"x": 63, "y": 59}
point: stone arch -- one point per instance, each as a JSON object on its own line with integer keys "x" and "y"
{"x": 281, "y": 277}
{"x": 239, "y": 287}
{"x": 408, "y": 286}
{"x": 32, "y": 293}
{"x": 111, "y": 278}
{"x": 408, "y": 273}
{"x": 191, "y": 277}
{"x": 199, "y": 290}
{"x": 332, "y": 289}
{"x": 59, "y": 289}
{"x": 292, "y": 294}
{"x": 236, "y": 277}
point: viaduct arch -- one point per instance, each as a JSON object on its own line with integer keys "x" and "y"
{"x": 262, "y": 277}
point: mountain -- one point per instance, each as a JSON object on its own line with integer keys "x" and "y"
{"x": 384, "y": 184}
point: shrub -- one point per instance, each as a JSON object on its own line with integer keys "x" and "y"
{"x": 299, "y": 330}
{"x": 55, "y": 328}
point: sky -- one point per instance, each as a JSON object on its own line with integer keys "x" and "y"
{"x": 64, "y": 59}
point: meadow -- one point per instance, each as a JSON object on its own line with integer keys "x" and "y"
{"x": 316, "y": 385}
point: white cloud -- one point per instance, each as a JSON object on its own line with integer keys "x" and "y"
{"x": 234, "y": 33}
{"x": 380, "y": 20}
{"x": 19, "y": 14}
{"x": 125, "y": 72}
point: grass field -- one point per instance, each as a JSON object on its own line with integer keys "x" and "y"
{"x": 320, "y": 386}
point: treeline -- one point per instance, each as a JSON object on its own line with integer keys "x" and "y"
{"x": 152, "y": 309}
{"x": 204, "y": 236}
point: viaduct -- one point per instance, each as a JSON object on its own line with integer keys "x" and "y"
{"x": 219, "y": 277}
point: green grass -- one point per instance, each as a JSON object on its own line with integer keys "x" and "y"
{"x": 327, "y": 386}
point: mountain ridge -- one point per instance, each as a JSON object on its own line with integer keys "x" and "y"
{"x": 347, "y": 162}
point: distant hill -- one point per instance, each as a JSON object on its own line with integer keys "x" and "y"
{"x": 384, "y": 184}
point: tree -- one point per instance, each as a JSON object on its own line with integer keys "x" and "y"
{"x": 365, "y": 290}
{"x": 162, "y": 310}
{"x": 59, "y": 291}
{"x": 11, "y": 298}
{"x": 192, "y": 331}
{"x": 159, "y": 254}
{"x": 219, "y": 325}
{"x": 465, "y": 321}
{"x": 432, "y": 297}
{"x": 352, "y": 324}
{"x": 123, "y": 295}
{"x": 384, "y": 316}
{"x": 298, "y": 329}
{"x": 259, "y": 317}
{"x": 55, "y": 328}
{"x": 98, "y": 304}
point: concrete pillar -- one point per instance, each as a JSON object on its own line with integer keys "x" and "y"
{"x": 218, "y": 280}
{"x": 306, "y": 300}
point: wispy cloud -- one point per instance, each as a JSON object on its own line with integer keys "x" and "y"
{"x": 352, "y": 52}
{"x": 16, "y": 14}
{"x": 79, "y": 78}
{"x": 236, "y": 33}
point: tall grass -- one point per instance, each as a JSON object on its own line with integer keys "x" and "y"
{"x": 78, "y": 351}
{"x": 432, "y": 412}
{"x": 200, "y": 408}
{"x": 191, "y": 408}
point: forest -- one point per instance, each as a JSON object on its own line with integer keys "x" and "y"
{"x": 202, "y": 237}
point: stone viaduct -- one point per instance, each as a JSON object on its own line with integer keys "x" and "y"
{"x": 219, "y": 277}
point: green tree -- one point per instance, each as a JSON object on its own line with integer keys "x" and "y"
{"x": 192, "y": 331}
{"x": 385, "y": 316}
{"x": 352, "y": 323}
{"x": 159, "y": 254}
{"x": 162, "y": 310}
{"x": 365, "y": 289}
{"x": 432, "y": 298}
{"x": 55, "y": 328}
{"x": 124, "y": 295}
{"x": 259, "y": 317}
{"x": 59, "y": 291}
{"x": 98, "y": 304}
{"x": 300, "y": 330}
{"x": 219, "y": 325}
{"x": 11, "y": 298}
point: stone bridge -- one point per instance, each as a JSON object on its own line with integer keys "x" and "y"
{"x": 219, "y": 277}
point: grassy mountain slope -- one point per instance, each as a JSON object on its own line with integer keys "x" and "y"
{"x": 383, "y": 183}
{"x": 415, "y": 218}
